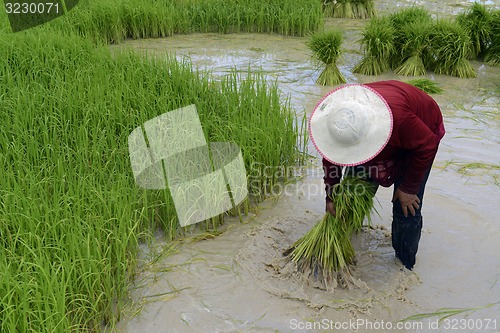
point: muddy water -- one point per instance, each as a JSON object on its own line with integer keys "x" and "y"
{"x": 239, "y": 282}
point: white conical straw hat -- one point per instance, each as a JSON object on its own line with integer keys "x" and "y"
{"x": 351, "y": 125}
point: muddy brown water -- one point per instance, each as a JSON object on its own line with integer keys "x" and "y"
{"x": 239, "y": 282}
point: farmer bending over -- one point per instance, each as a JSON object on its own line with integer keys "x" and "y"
{"x": 387, "y": 132}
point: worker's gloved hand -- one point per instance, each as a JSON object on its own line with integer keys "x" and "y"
{"x": 409, "y": 202}
{"x": 330, "y": 208}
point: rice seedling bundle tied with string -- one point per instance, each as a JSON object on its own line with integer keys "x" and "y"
{"x": 325, "y": 46}
{"x": 325, "y": 252}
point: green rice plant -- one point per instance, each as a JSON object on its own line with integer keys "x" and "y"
{"x": 363, "y": 9}
{"x": 343, "y": 9}
{"x": 353, "y": 199}
{"x": 370, "y": 65}
{"x": 412, "y": 14}
{"x": 357, "y": 9}
{"x": 71, "y": 215}
{"x": 328, "y": 8}
{"x": 410, "y": 42}
{"x": 112, "y": 22}
{"x": 339, "y": 9}
{"x": 411, "y": 34}
{"x": 378, "y": 38}
{"x": 477, "y": 23}
{"x": 326, "y": 250}
{"x": 426, "y": 85}
{"x": 492, "y": 52}
{"x": 449, "y": 46}
{"x": 414, "y": 41}
{"x": 378, "y": 47}
{"x": 413, "y": 66}
{"x": 326, "y": 48}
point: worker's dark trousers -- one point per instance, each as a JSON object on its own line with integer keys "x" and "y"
{"x": 406, "y": 231}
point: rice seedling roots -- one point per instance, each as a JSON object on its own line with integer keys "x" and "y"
{"x": 325, "y": 254}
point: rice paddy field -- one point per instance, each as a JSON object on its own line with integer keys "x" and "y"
{"x": 85, "y": 250}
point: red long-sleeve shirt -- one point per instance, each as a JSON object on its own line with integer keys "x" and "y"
{"x": 417, "y": 130}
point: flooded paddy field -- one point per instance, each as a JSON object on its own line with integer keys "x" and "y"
{"x": 239, "y": 281}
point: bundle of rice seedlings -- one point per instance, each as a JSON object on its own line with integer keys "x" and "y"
{"x": 326, "y": 251}
{"x": 415, "y": 40}
{"x": 410, "y": 37}
{"x": 450, "y": 45}
{"x": 340, "y": 9}
{"x": 409, "y": 15}
{"x": 492, "y": 53}
{"x": 358, "y": 9}
{"x": 326, "y": 49}
{"x": 378, "y": 46}
{"x": 426, "y": 85}
{"x": 363, "y": 9}
{"x": 413, "y": 66}
{"x": 353, "y": 199}
{"x": 328, "y": 8}
{"x": 476, "y": 22}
